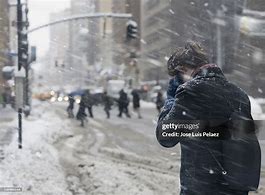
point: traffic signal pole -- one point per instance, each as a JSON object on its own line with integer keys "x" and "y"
{"x": 19, "y": 35}
{"x": 19, "y": 31}
{"x": 27, "y": 68}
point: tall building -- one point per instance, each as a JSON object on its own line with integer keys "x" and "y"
{"x": 215, "y": 23}
{"x": 59, "y": 38}
{"x": 249, "y": 69}
{"x": 13, "y": 30}
{"x": 169, "y": 24}
{"x": 4, "y": 38}
{"x": 210, "y": 22}
{"x": 58, "y": 67}
{"x": 83, "y": 34}
{"x": 105, "y": 42}
{"x": 156, "y": 37}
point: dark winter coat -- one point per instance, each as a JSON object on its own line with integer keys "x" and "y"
{"x": 123, "y": 100}
{"x": 107, "y": 101}
{"x": 136, "y": 99}
{"x": 81, "y": 114}
{"x": 207, "y": 96}
{"x": 88, "y": 100}
{"x": 71, "y": 102}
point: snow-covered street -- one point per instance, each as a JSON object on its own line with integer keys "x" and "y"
{"x": 115, "y": 156}
{"x": 108, "y": 156}
{"x": 118, "y": 156}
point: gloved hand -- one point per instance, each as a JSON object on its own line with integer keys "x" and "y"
{"x": 173, "y": 85}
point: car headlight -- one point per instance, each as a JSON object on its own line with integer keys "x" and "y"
{"x": 78, "y": 101}
{"x": 53, "y": 99}
{"x": 60, "y": 99}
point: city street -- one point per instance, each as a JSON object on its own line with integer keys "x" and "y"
{"x": 129, "y": 62}
{"x": 107, "y": 156}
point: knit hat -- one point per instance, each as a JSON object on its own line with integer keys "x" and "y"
{"x": 192, "y": 55}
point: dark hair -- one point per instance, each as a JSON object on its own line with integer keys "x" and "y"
{"x": 192, "y": 55}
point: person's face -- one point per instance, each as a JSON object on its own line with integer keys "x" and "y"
{"x": 185, "y": 73}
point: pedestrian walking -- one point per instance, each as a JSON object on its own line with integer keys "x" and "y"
{"x": 211, "y": 166}
{"x": 70, "y": 107}
{"x": 123, "y": 103}
{"x": 136, "y": 102}
{"x": 89, "y": 102}
{"x": 107, "y": 102}
{"x": 81, "y": 114}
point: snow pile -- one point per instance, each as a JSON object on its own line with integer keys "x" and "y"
{"x": 36, "y": 167}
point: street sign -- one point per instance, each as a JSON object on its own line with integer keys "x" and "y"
{"x": 19, "y": 87}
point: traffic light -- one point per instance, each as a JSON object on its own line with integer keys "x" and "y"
{"x": 132, "y": 29}
{"x": 24, "y": 46}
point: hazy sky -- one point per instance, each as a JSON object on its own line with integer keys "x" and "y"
{"x": 39, "y": 11}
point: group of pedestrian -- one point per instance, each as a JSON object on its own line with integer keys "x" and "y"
{"x": 124, "y": 101}
{"x": 87, "y": 102}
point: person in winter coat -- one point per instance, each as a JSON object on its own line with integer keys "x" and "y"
{"x": 70, "y": 106}
{"x": 107, "y": 102}
{"x": 123, "y": 103}
{"x": 89, "y": 102}
{"x": 159, "y": 101}
{"x": 136, "y": 102}
{"x": 81, "y": 114}
{"x": 205, "y": 95}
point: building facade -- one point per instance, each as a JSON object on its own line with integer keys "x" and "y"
{"x": 82, "y": 42}
{"x": 4, "y": 38}
{"x": 59, "y": 37}
{"x": 157, "y": 35}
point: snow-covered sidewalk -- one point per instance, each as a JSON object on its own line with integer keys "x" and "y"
{"x": 36, "y": 167}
